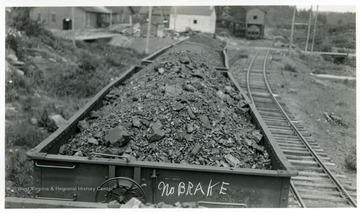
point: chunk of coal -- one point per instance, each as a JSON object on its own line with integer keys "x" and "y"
{"x": 118, "y": 136}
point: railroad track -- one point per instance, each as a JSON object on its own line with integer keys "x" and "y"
{"x": 316, "y": 185}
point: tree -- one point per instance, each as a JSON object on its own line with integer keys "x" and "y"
{"x": 340, "y": 22}
{"x": 322, "y": 18}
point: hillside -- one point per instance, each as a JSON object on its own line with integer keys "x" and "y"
{"x": 47, "y": 81}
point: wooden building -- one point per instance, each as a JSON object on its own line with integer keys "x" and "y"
{"x": 246, "y": 21}
{"x": 196, "y": 18}
{"x": 61, "y": 17}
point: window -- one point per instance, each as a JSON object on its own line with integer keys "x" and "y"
{"x": 39, "y": 16}
{"x": 255, "y": 17}
{"x": 53, "y": 17}
{"x": 195, "y": 21}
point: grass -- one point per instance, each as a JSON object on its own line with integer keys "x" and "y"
{"x": 50, "y": 87}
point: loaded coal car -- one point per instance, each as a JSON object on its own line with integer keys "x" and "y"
{"x": 176, "y": 130}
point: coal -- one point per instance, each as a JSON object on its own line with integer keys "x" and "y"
{"x": 179, "y": 109}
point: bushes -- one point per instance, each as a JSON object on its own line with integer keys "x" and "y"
{"x": 290, "y": 68}
{"x": 24, "y": 134}
{"x": 16, "y": 86}
{"x": 16, "y": 43}
{"x": 350, "y": 158}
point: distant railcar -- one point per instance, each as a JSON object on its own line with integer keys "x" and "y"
{"x": 253, "y": 32}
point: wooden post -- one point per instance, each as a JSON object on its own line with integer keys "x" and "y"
{"x": 292, "y": 30}
{"x": 110, "y": 19}
{"x": 148, "y": 32}
{"x": 308, "y": 32}
{"x": 73, "y": 25}
{"x": 175, "y": 14}
{"x": 313, "y": 38}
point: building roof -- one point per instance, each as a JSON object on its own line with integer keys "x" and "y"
{"x": 194, "y": 10}
{"x": 96, "y": 9}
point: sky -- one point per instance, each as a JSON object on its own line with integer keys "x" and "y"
{"x": 331, "y": 8}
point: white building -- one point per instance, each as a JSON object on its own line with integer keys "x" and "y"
{"x": 196, "y": 18}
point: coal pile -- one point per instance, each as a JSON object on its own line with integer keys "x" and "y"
{"x": 179, "y": 109}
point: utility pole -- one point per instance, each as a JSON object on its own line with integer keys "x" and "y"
{"x": 175, "y": 14}
{"x": 308, "y": 32}
{"x": 292, "y": 30}
{"x": 148, "y": 32}
{"x": 73, "y": 25}
{"x": 313, "y": 39}
{"x": 110, "y": 19}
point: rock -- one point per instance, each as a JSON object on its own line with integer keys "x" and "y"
{"x": 214, "y": 151}
{"x": 205, "y": 120}
{"x": 188, "y": 137}
{"x": 197, "y": 73}
{"x": 12, "y": 58}
{"x": 132, "y": 203}
{"x": 257, "y": 135}
{"x": 185, "y": 60}
{"x": 248, "y": 142}
{"x": 173, "y": 91}
{"x": 189, "y": 87}
{"x": 177, "y": 106}
{"x": 161, "y": 70}
{"x": 94, "y": 114}
{"x": 220, "y": 94}
{"x": 228, "y": 89}
{"x": 118, "y": 136}
{"x": 233, "y": 161}
{"x": 58, "y": 120}
{"x": 189, "y": 205}
{"x": 93, "y": 141}
{"x": 190, "y": 128}
{"x": 224, "y": 164}
{"x": 190, "y": 112}
{"x": 116, "y": 151}
{"x": 196, "y": 149}
{"x": 157, "y": 125}
{"x": 145, "y": 122}
{"x": 128, "y": 150}
{"x": 20, "y": 72}
{"x": 158, "y": 134}
{"x": 83, "y": 125}
{"x": 62, "y": 149}
{"x": 135, "y": 97}
{"x": 113, "y": 204}
{"x": 52, "y": 60}
{"x": 79, "y": 154}
{"x": 237, "y": 138}
{"x": 34, "y": 121}
{"x": 128, "y": 156}
{"x": 229, "y": 100}
{"x": 136, "y": 122}
{"x": 258, "y": 148}
{"x": 243, "y": 104}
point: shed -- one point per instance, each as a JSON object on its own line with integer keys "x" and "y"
{"x": 197, "y": 18}
{"x": 256, "y": 17}
{"x": 61, "y": 17}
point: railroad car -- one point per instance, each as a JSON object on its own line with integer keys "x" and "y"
{"x": 73, "y": 178}
{"x": 253, "y": 32}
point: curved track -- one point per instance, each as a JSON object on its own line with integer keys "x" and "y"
{"x": 316, "y": 185}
